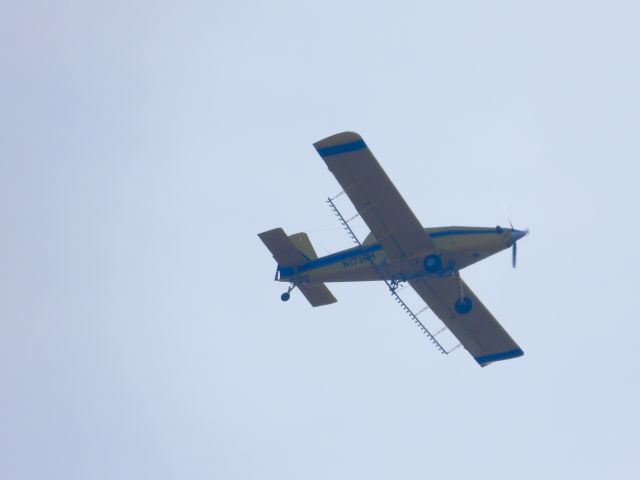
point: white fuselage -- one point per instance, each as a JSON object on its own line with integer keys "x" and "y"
{"x": 458, "y": 247}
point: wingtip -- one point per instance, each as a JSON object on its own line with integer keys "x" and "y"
{"x": 343, "y": 142}
{"x": 337, "y": 139}
{"x": 485, "y": 360}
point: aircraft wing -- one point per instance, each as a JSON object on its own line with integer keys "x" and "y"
{"x": 376, "y": 199}
{"x": 478, "y": 331}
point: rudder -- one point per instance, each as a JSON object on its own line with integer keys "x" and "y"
{"x": 303, "y": 244}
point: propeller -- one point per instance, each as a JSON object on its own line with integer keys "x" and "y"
{"x": 515, "y": 236}
{"x": 514, "y": 249}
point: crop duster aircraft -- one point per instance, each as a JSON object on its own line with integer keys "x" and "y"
{"x": 398, "y": 250}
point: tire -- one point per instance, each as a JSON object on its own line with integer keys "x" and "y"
{"x": 432, "y": 264}
{"x": 285, "y": 296}
{"x": 463, "y": 306}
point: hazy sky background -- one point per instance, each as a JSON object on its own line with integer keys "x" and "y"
{"x": 143, "y": 145}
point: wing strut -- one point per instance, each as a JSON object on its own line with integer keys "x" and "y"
{"x": 393, "y": 285}
{"x": 456, "y": 274}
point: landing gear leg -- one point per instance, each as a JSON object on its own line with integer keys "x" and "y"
{"x": 287, "y": 295}
{"x": 463, "y": 305}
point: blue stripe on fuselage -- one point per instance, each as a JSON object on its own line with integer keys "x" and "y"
{"x": 286, "y": 271}
{"x": 338, "y": 257}
{"x": 447, "y": 233}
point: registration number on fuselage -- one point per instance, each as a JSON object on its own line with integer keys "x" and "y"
{"x": 359, "y": 260}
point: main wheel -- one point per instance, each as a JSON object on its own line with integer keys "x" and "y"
{"x": 432, "y": 263}
{"x": 463, "y": 306}
{"x": 285, "y": 296}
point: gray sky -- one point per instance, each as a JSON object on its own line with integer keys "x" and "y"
{"x": 144, "y": 144}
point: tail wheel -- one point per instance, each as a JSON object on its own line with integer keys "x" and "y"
{"x": 285, "y": 296}
{"x": 432, "y": 264}
{"x": 463, "y": 305}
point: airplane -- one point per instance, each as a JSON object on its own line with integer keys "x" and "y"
{"x": 398, "y": 250}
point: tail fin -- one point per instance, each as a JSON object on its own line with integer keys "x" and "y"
{"x": 303, "y": 244}
{"x": 294, "y": 251}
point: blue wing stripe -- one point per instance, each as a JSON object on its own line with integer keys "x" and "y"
{"x": 343, "y": 148}
{"x": 494, "y": 357}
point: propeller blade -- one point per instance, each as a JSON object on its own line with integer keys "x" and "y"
{"x": 506, "y": 211}
{"x": 515, "y": 236}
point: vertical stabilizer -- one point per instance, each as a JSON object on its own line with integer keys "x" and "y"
{"x": 301, "y": 242}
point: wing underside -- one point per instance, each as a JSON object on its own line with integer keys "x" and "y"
{"x": 374, "y": 196}
{"x": 478, "y": 331}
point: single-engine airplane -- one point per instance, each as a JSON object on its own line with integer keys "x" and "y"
{"x": 398, "y": 250}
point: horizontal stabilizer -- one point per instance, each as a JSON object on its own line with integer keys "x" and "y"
{"x": 282, "y": 248}
{"x": 317, "y": 293}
